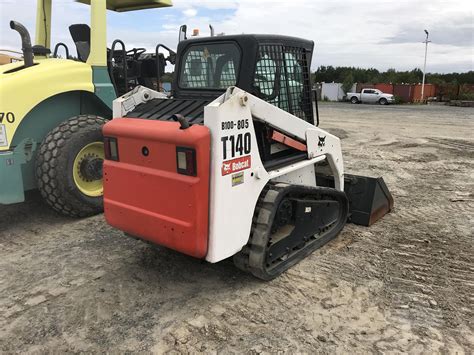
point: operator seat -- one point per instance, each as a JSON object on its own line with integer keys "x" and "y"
{"x": 224, "y": 79}
{"x": 81, "y": 35}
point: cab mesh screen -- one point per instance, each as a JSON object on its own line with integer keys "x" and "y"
{"x": 282, "y": 79}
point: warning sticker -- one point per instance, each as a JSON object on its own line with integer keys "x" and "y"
{"x": 235, "y": 165}
{"x": 237, "y": 179}
{"x": 3, "y": 136}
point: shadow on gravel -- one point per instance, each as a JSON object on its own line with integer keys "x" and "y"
{"x": 33, "y": 210}
{"x": 153, "y": 264}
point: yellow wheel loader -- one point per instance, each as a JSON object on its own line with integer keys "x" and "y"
{"x": 52, "y": 109}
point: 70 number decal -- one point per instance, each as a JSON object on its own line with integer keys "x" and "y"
{"x": 239, "y": 145}
{"x": 7, "y": 116}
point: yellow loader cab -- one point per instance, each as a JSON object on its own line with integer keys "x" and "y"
{"x": 52, "y": 109}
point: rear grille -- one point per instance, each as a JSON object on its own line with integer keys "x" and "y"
{"x": 164, "y": 109}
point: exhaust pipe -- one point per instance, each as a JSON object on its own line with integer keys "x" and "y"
{"x": 25, "y": 42}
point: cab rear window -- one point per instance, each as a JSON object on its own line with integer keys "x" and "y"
{"x": 210, "y": 66}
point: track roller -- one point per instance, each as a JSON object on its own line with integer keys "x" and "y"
{"x": 290, "y": 222}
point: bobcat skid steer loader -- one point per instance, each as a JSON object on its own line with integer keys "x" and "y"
{"x": 232, "y": 164}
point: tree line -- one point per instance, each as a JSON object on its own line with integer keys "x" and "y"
{"x": 350, "y": 75}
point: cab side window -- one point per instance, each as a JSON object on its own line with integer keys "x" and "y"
{"x": 281, "y": 78}
{"x": 294, "y": 83}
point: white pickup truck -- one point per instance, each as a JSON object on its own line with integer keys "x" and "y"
{"x": 370, "y": 96}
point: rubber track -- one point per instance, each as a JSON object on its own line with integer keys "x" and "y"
{"x": 252, "y": 257}
{"x": 241, "y": 259}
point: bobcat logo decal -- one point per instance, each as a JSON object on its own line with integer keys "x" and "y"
{"x": 322, "y": 141}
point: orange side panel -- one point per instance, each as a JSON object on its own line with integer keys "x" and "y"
{"x": 146, "y": 197}
{"x": 290, "y": 142}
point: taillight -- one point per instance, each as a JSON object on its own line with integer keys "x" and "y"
{"x": 111, "y": 148}
{"x": 186, "y": 161}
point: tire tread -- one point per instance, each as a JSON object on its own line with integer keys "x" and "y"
{"x": 53, "y": 155}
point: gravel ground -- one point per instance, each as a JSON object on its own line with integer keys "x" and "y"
{"x": 405, "y": 284}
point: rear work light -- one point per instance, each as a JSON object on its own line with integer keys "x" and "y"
{"x": 111, "y": 148}
{"x": 186, "y": 161}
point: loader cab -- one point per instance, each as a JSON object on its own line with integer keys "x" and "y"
{"x": 126, "y": 67}
{"x": 274, "y": 68}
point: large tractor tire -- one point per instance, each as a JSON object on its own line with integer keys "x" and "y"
{"x": 69, "y": 166}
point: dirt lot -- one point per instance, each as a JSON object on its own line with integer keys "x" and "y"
{"x": 404, "y": 284}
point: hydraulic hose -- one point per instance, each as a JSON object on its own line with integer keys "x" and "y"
{"x": 25, "y": 42}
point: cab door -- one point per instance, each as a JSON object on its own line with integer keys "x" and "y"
{"x": 368, "y": 95}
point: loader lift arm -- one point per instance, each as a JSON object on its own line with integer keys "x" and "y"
{"x": 292, "y": 126}
{"x": 238, "y": 105}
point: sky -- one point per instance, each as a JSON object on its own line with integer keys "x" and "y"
{"x": 379, "y": 34}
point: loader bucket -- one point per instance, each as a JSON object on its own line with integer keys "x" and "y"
{"x": 369, "y": 198}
